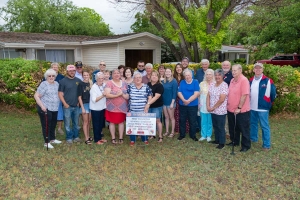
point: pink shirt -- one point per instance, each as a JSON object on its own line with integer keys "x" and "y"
{"x": 214, "y": 96}
{"x": 236, "y": 90}
{"x": 118, "y": 104}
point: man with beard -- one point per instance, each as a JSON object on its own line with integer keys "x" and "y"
{"x": 67, "y": 93}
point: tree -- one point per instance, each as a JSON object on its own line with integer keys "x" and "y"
{"x": 57, "y": 16}
{"x": 273, "y": 29}
{"x": 191, "y": 23}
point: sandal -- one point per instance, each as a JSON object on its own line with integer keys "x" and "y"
{"x": 152, "y": 137}
{"x": 120, "y": 141}
{"x": 171, "y": 135}
{"x": 90, "y": 139}
{"x": 113, "y": 141}
{"x": 166, "y": 133}
{"x": 160, "y": 139}
{"x": 88, "y": 142}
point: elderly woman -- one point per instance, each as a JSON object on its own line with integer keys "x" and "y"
{"x": 83, "y": 92}
{"x": 116, "y": 105}
{"x": 188, "y": 93}
{"x": 216, "y": 103}
{"x": 156, "y": 102}
{"x": 139, "y": 96}
{"x": 128, "y": 73}
{"x": 205, "y": 122}
{"x": 169, "y": 96}
{"x": 97, "y": 107}
{"x": 47, "y": 101}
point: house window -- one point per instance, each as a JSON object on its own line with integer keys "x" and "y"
{"x": 56, "y": 55}
{"x": 9, "y": 53}
{"x": 243, "y": 56}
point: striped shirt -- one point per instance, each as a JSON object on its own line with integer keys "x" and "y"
{"x": 138, "y": 97}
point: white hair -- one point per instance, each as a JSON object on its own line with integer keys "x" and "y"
{"x": 205, "y": 61}
{"x": 50, "y": 72}
{"x": 149, "y": 65}
{"x": 98, "y": 75}
{"x": 137, "y": 73}
{"x": 187, "y": 70}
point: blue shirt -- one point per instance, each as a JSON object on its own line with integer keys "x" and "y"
{"x": 170, "y": 91}
{"x": 187, "y": 90}
{"x": 200, "y": 75}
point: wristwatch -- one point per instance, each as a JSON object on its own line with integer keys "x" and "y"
{"x": 239, "y": 108}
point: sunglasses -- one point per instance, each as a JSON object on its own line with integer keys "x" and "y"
{"x": 103, "y": 65}
{"x": 51, "y": 76}
{"x": 79, "y": 67}
{"x": 141, "y": 65}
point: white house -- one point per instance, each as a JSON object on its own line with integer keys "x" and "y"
{"x": 115, "y": 50}
{"x": 233, "y": 52}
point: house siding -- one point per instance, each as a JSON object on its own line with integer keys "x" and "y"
{"x": 93, "y": 54}
{"x": 134, "y": 44}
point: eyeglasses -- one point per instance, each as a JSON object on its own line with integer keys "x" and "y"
{"x": 103, "y": 65}
{"x": 51, "y": 76}
{"x": 141, "y": 65}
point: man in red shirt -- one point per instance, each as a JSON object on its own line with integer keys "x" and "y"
{"x": 238, "y": 109}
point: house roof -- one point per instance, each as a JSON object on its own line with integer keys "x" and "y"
{"x": 233, "y": 48}
{"x": 22, "y": 39}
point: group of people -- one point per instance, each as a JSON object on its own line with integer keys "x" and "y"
{"x": 182, "y": 100}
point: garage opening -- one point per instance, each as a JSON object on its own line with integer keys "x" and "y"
{"x": 133, "y": 56}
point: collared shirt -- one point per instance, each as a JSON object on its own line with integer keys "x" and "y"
{"x": 236, "y": 90}
{"x": 145, "y": 79}
{"x": 78, "y": 75}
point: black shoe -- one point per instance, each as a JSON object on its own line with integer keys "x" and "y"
{"x": 231, "y": 144}
{"x": 244, "y": 150}
{"x": 195, "y": 139}
{"x": 220, "y": 146}
{"x": 214, "y": 142}
{"x": 180, "y": 138}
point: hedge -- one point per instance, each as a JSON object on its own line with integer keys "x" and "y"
{"x": 19, "y": 79}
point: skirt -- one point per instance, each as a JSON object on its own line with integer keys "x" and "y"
{"x": 115, "y": 117}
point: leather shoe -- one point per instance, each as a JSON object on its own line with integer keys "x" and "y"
{"x": 244, "y": 150}
{"x": 214, "y": 142}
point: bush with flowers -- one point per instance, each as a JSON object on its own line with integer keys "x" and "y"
{"x": 19, "y": 79}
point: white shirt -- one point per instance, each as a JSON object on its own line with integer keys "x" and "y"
{"x": 95, "y": 92}
{"x": 254, "y": 95}
{"x": 79, "y": 76}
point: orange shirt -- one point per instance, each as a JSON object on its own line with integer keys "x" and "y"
{"x": 236, "y": 90}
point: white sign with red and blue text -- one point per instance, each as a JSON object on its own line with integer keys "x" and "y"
{"x": 141, "y": 124}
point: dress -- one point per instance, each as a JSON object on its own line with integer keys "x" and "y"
{"x": 176, "y": 115}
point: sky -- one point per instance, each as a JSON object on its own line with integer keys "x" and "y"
{"x": 119, "y": 22}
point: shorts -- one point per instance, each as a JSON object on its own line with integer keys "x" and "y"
{"x": 86, "y": 108}
{"x": 157, "y": 111}
{"x": 165, "y": 106}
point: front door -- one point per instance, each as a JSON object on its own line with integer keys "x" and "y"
{"x": 133, "y": 56}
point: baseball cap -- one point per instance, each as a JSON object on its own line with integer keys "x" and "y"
{"x": 78, "y": 63}
{"x": 259, "y": 64}
{"x": 71, "y": 67}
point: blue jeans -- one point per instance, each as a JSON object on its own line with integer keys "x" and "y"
{"x": 219, "y": 124}
{"x": 263, "y": 119}
{"x": 206, "y": 125}
{"x": 133, "y": 138}
{"x": 188, "y": 113}
{"x": 71, "y": 114}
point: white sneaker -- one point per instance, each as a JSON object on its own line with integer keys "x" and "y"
{"x": 55, "y": 141}
{"x": 49, "y": 146}
{"x": 202, "y": 138}
{"x": 208, "y": 139}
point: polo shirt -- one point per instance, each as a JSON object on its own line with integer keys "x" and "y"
{"x": 236, "y": 90}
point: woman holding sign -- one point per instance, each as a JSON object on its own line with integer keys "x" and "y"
{"x": 139, "y": 95}
{"x": 156, "y": 101}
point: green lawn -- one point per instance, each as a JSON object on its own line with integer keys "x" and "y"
{"x": 171, "y": 170}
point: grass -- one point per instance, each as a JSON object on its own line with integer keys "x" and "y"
{"x": 172, "y": 170}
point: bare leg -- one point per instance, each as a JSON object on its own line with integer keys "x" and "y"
{"x": 171, "y": 115}
{"x": 121, "y": 132}
{"x": 59, "y": 125}
{"x": 112, "y": 129}
{"x": 85, "y": 117}
{"x": 159, "y": 126}
{"x": 166, "y": 120}
{"x": 89, "y": 124}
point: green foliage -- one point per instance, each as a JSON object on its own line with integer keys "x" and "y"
{"x": 57, "y": 16}
{"x": 143, "y": 24}
{"x": 286, "y": 80}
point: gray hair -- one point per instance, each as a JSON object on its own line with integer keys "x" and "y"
{"x": 98, "y": 75}
{"x": 137, "y": 74}
{"x": 239, "y": 66}
{"x": 112, "y": 71}
{"x": 55, "y": 63}
{"x": 208, "y": 71}
{"x": 219, "y": 72}
{"x": 205, "y": 61}
{"x": 187, "y": 70}
{"x": 149, "y": 65}
{"x": 50, "y": 72}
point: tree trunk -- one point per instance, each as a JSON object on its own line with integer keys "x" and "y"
{"x": 196, "y": 52}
